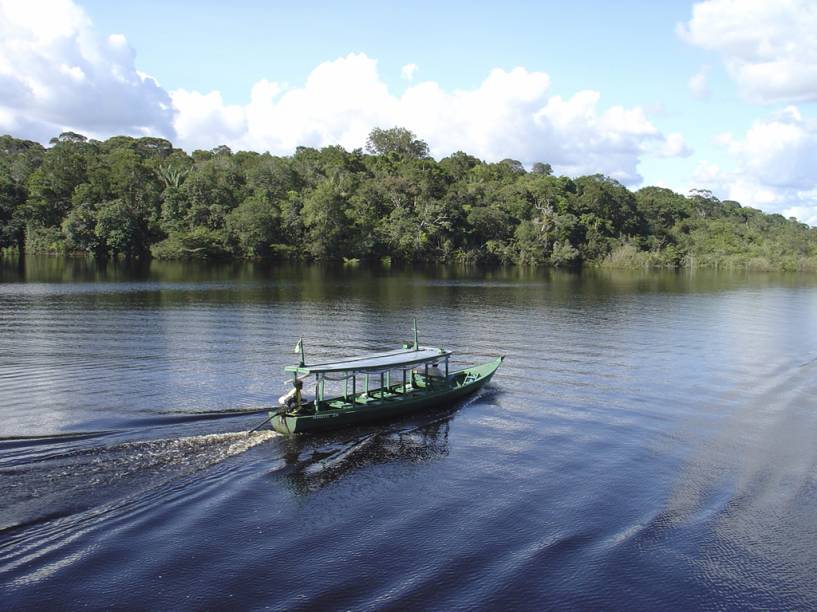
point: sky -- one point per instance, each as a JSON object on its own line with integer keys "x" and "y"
{"x": 717, "y": 94}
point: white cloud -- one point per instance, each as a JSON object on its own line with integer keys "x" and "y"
{"x": 675, "y": 146}
{"x": 768, "y": 46}
{"x": 805, "y": 214}
{"x": 205, "y": 120}
{"x": 407, "y": 72}
{"x": 775, "y": 166}
{"x": 699, "y": 83}
{"x": 56, "y": 73}
{"x": 510, "y": 114}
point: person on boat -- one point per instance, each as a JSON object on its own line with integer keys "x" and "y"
{"x": 435, "y": 372}
{"x": 290, "y": 399}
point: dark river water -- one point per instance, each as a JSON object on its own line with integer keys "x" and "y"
{"x": 649, "y": 442}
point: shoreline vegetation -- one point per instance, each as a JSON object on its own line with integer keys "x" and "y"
{"x": 141, "y": 198}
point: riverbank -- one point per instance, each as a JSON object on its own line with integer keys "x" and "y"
{"x": 142, "y": 197}
{"x": 625, "y": 257}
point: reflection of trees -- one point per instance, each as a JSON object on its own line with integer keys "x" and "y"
{"x": 170, "y": 284}
{"x": 314, "y": 462}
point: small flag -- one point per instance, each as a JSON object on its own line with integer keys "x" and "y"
{"x": 300, "y": 346}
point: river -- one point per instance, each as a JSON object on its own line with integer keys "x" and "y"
{"x": 649, "y": 441}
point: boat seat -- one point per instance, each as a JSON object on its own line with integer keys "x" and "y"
{"x": 470, "y": 378}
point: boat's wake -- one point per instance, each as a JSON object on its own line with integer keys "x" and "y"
{"x": 125, "y": 424}
{"x": 160, "y": 418}
{"x": 69, "y": 481}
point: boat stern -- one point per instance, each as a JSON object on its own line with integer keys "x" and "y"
{"x": 282, "y": 423}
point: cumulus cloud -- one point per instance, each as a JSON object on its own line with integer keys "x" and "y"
{"x": 203, "y": 120}
{"x": 510, "y": 114}
{"x": 806, "y": 214}
{"x": 57, "y": 73}
{"x": 768, "y": 46}
{"x": 699, "y": 83}
{"x": 775, "y": 166}
{"x": 675, "y": 146}
{"x": 407, "y": 71}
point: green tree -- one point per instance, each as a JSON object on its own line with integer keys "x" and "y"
{"x": 396, "y": 141}
{"x": 80, "y": 230}
{"x": 514, "y": 165}
{"x": 50, "y": 186}
{"x": 122, "y": 228}
{"x": 255, "y": 223}
{"x": 212, "y": 189}
{"x": 610, "y": 202}
{"x": 541, "y": 168}
{"x": 133, "y": 195}
{"x": 324, "y": 218}
{"x": 11, "y": 201}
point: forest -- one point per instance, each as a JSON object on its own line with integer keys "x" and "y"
{"x": 142, "y": 197}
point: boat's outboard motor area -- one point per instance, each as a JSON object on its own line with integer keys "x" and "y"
{"x": 289, "y": 402}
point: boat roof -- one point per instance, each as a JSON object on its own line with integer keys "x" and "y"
{"x": 374, "y": 361}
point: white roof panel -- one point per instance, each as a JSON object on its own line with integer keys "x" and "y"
{"x": 375, "y": 361}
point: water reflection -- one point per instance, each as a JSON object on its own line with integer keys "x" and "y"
{"x": 649, "y": 434}
{"x": 315, "y": 462}
{"x": 394, "y": 283}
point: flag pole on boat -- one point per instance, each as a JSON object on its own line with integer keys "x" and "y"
{"x": 299, "y": 348}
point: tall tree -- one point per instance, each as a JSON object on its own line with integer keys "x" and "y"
{"x": 396, "y": 141}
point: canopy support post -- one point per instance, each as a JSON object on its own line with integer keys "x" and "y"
{"x": 297, "y": 384}
{"x": 354, "y": 382}
{"x": 382, "y": 388}
{"x": 404, "y": 380}
{"x": 323, "y": 386}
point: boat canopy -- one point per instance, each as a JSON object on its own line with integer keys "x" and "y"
{"x": 375, "y": 362}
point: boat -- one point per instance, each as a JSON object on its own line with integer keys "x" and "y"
{"x": 411, "y": 379}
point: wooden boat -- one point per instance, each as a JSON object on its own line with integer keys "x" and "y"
{"x": 410, "y": 380}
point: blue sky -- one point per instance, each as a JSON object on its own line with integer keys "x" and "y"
{"x": 628, "y": 51}
{"x": 730, "y": 131}
{"x": 581, "y": 44}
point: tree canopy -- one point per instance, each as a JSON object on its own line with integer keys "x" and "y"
{"x": 142, "y": 197}
{"x": 396, "y": 141}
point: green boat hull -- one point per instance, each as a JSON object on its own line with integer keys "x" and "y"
{"x": 383, "y": 404}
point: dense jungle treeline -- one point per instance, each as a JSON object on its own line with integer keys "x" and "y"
{"x": 141, "y": 197}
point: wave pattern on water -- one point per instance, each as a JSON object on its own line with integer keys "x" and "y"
{"x": 72, "y": 480}
{"x": 649, "y": 440}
